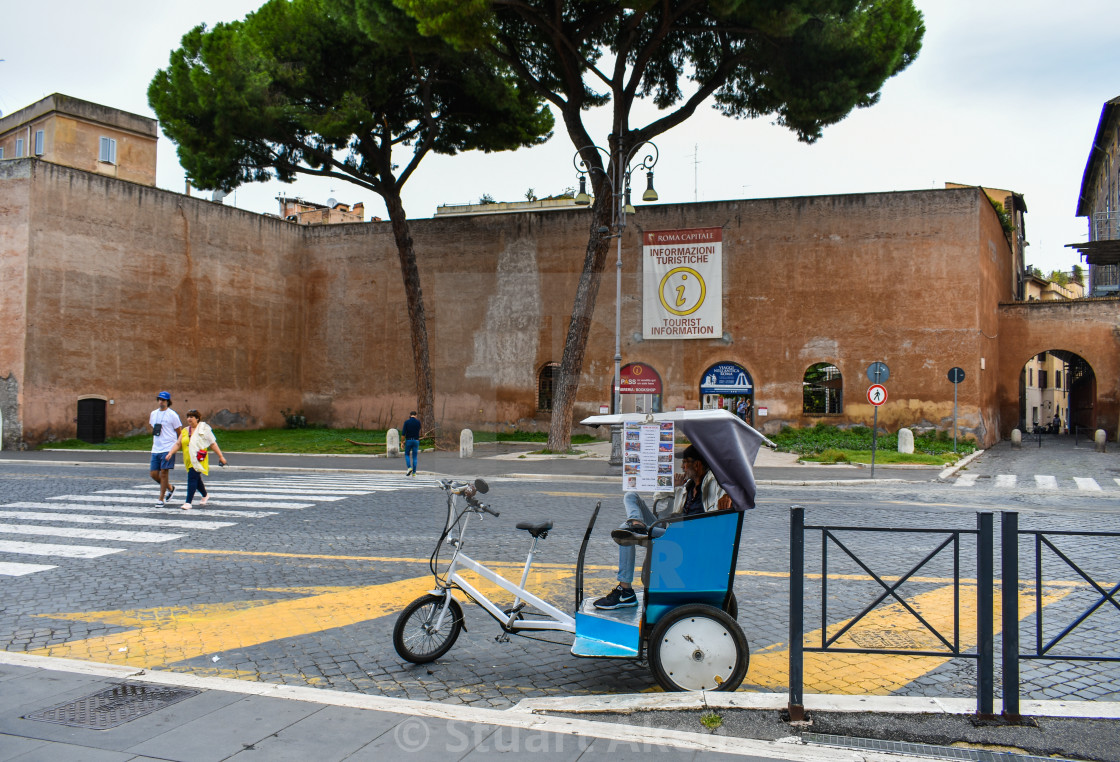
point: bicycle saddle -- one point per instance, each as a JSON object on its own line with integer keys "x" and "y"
{"x": 540, "y": 529}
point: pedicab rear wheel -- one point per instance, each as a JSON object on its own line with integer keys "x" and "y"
{"x": 414, "y": 635}
{"x": 697, "y": 647}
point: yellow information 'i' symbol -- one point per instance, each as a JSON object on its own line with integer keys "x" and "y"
{"x": 682, "y": 291}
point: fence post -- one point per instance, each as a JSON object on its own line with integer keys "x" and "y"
{"x": 796, "y": 613}
{"x": 1009, "y": 573}
{"x": 985, "y": 647}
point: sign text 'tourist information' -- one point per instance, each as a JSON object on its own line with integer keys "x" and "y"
{"x": 683, "y": 279}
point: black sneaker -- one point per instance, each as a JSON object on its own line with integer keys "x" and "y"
{"x": 619, "y": 598}
{"x": 170, "y": 492}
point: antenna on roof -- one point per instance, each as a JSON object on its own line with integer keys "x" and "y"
{"x": 331, "y": 202}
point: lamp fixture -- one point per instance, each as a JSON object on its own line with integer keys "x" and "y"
{"x": 582, "y": 199}
{"x": 650, "y": 194}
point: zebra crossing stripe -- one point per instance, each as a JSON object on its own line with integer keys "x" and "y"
{"x": 1045, "y": 482}
{"x": 132, "y": 521}
{"x": 118, "y": 535}
{"x": 146, "y": 495}
{"x": 334, "y": 494}
{"x": 169, "y": 511}
{"x": 966, "y": 480}
{"x": 14, "y": 569}
{"x": 213, "y": 501}
{"x": 1087, "y": 484}
{"x": 1006, "y": 481}
{"x": 48, "y": 549}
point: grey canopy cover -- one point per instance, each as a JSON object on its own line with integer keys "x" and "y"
{"x": 728, "y": 444}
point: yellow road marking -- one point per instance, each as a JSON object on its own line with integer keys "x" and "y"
{"x": 595, "y": 495}
{"x": 167, "y": 635}
{"x": 505, "y": 565}
{"x": 881, "y": 674}
{"x": 383, "y": 559}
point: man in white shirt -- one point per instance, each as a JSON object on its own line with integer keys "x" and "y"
{"x": 166, "y": 426}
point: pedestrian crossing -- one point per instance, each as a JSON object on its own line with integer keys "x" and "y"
{"x": 52, "y": 528}
{"x": 1040, "y": 482}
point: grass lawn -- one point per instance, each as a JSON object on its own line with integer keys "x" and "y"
{"x": 831, "y": 444}
{"x": 305, "y": 441}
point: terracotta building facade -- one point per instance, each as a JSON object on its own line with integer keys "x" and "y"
{"x": 76, "y": 133}
{"x": 114, "y": 291}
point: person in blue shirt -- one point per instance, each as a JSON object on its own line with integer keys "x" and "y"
{"x": 411, "y": 433}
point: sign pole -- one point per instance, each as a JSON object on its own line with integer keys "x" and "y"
{"x": 954, "y": 417}
{"x": 874, "y": 439}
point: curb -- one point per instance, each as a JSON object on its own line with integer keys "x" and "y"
{"x": 952, "y": 470}
{"x": 793, "y": 750}
{"x": 705, "y": 700}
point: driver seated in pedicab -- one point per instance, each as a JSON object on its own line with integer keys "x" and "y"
{"x": 697, "y": 491}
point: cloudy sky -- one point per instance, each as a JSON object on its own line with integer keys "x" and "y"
{"x": 1005, "y": 95}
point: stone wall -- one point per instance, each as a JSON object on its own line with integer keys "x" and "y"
{"x": 129, "y": 290}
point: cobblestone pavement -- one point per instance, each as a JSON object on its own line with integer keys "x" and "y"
{"x": 291, "y": 578}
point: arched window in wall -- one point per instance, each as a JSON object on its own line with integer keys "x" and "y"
{"x": 545, "y": 386}
{"x": 823, "y": 390}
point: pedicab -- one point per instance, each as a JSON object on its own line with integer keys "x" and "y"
{"x": 684, "y": 625}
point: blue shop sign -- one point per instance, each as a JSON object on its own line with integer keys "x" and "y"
{"x": 726, "y": 378}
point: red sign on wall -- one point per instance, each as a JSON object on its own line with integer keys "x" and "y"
{"x": 639, "y": 378}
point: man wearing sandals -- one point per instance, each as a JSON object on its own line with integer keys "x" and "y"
{"x": 696, "y": 491}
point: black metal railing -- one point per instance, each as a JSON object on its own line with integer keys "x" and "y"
{"x": 1043, "y": 649}
{"x": 984, "y": 652}
{"x": 1106, "y": 598}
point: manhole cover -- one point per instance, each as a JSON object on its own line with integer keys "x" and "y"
{"x": 887, "y": 639}
{"x": 112, "y": 707}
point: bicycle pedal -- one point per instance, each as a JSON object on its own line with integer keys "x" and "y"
{"x": 501, "y": 638}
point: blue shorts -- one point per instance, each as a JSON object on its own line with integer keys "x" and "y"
{"x": 159, "y": 464}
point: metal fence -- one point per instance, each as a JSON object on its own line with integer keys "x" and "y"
{"x": 947, "y": 541}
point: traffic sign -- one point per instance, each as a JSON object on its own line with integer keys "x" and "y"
{"x": 956, "y": 375}
{"x": 876, "y": 394}
{"x": 878, "y": 372}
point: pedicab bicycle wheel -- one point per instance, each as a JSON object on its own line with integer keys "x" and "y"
{"x": 696, "y": 648}
{"x": 415, "y": 636}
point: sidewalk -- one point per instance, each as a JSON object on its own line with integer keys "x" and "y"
{"x": 502, "y": 459}
{"x": 50, "y": 710}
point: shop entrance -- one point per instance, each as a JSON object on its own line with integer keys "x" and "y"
{"x": 641, "y": 389}
{"x": 728, "y": 386}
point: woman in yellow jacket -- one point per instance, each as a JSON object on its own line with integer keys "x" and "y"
{"x": 196, "y": 440}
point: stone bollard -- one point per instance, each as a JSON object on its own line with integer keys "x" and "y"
{"x": 1100, "y": 438}
{"x": 1016, "y": 439}
{"x": 905, "y": 441}
{"x": 466, "y": 444}
{"x": 392, "y": 444}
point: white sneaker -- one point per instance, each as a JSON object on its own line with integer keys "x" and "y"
{"x": 204, "y": 499}
{"x": 186, "y": 506}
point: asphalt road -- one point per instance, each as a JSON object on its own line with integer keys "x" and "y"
{"x": 297, "y": 577}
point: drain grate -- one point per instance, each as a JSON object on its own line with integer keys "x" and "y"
{"x": 921, "y": 749}
{"x": 112, "y": 707}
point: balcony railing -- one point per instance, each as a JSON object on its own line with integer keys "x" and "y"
{"x": 1104, "y": 226}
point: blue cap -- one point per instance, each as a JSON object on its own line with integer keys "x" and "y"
{"x": 164, "y": 396}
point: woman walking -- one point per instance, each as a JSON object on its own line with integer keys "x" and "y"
{"x": 196, "y": 440}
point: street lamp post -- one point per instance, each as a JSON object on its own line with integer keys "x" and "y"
{"x": 623, "y": 169}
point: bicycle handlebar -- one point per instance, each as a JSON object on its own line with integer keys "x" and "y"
{"x": 471, "y": 501}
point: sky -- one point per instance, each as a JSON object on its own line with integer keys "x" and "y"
{"x": 1004, "y": 95}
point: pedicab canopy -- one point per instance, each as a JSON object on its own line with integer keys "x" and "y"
{"x": 729, "y": 445}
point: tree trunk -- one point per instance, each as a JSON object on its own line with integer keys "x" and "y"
{"x": 575, "y": 344}
{"x": 417, "y": 321}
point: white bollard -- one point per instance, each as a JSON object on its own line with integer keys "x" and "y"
{"x": 1016, "y": 439}
{"x": 1100, "y": 438}
{"x": 905, "y": 441}
{"x": 392, "y": 444}
{"x": 466, "y": 444}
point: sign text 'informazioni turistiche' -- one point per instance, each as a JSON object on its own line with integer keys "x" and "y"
{"x": 683, "y": 284}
